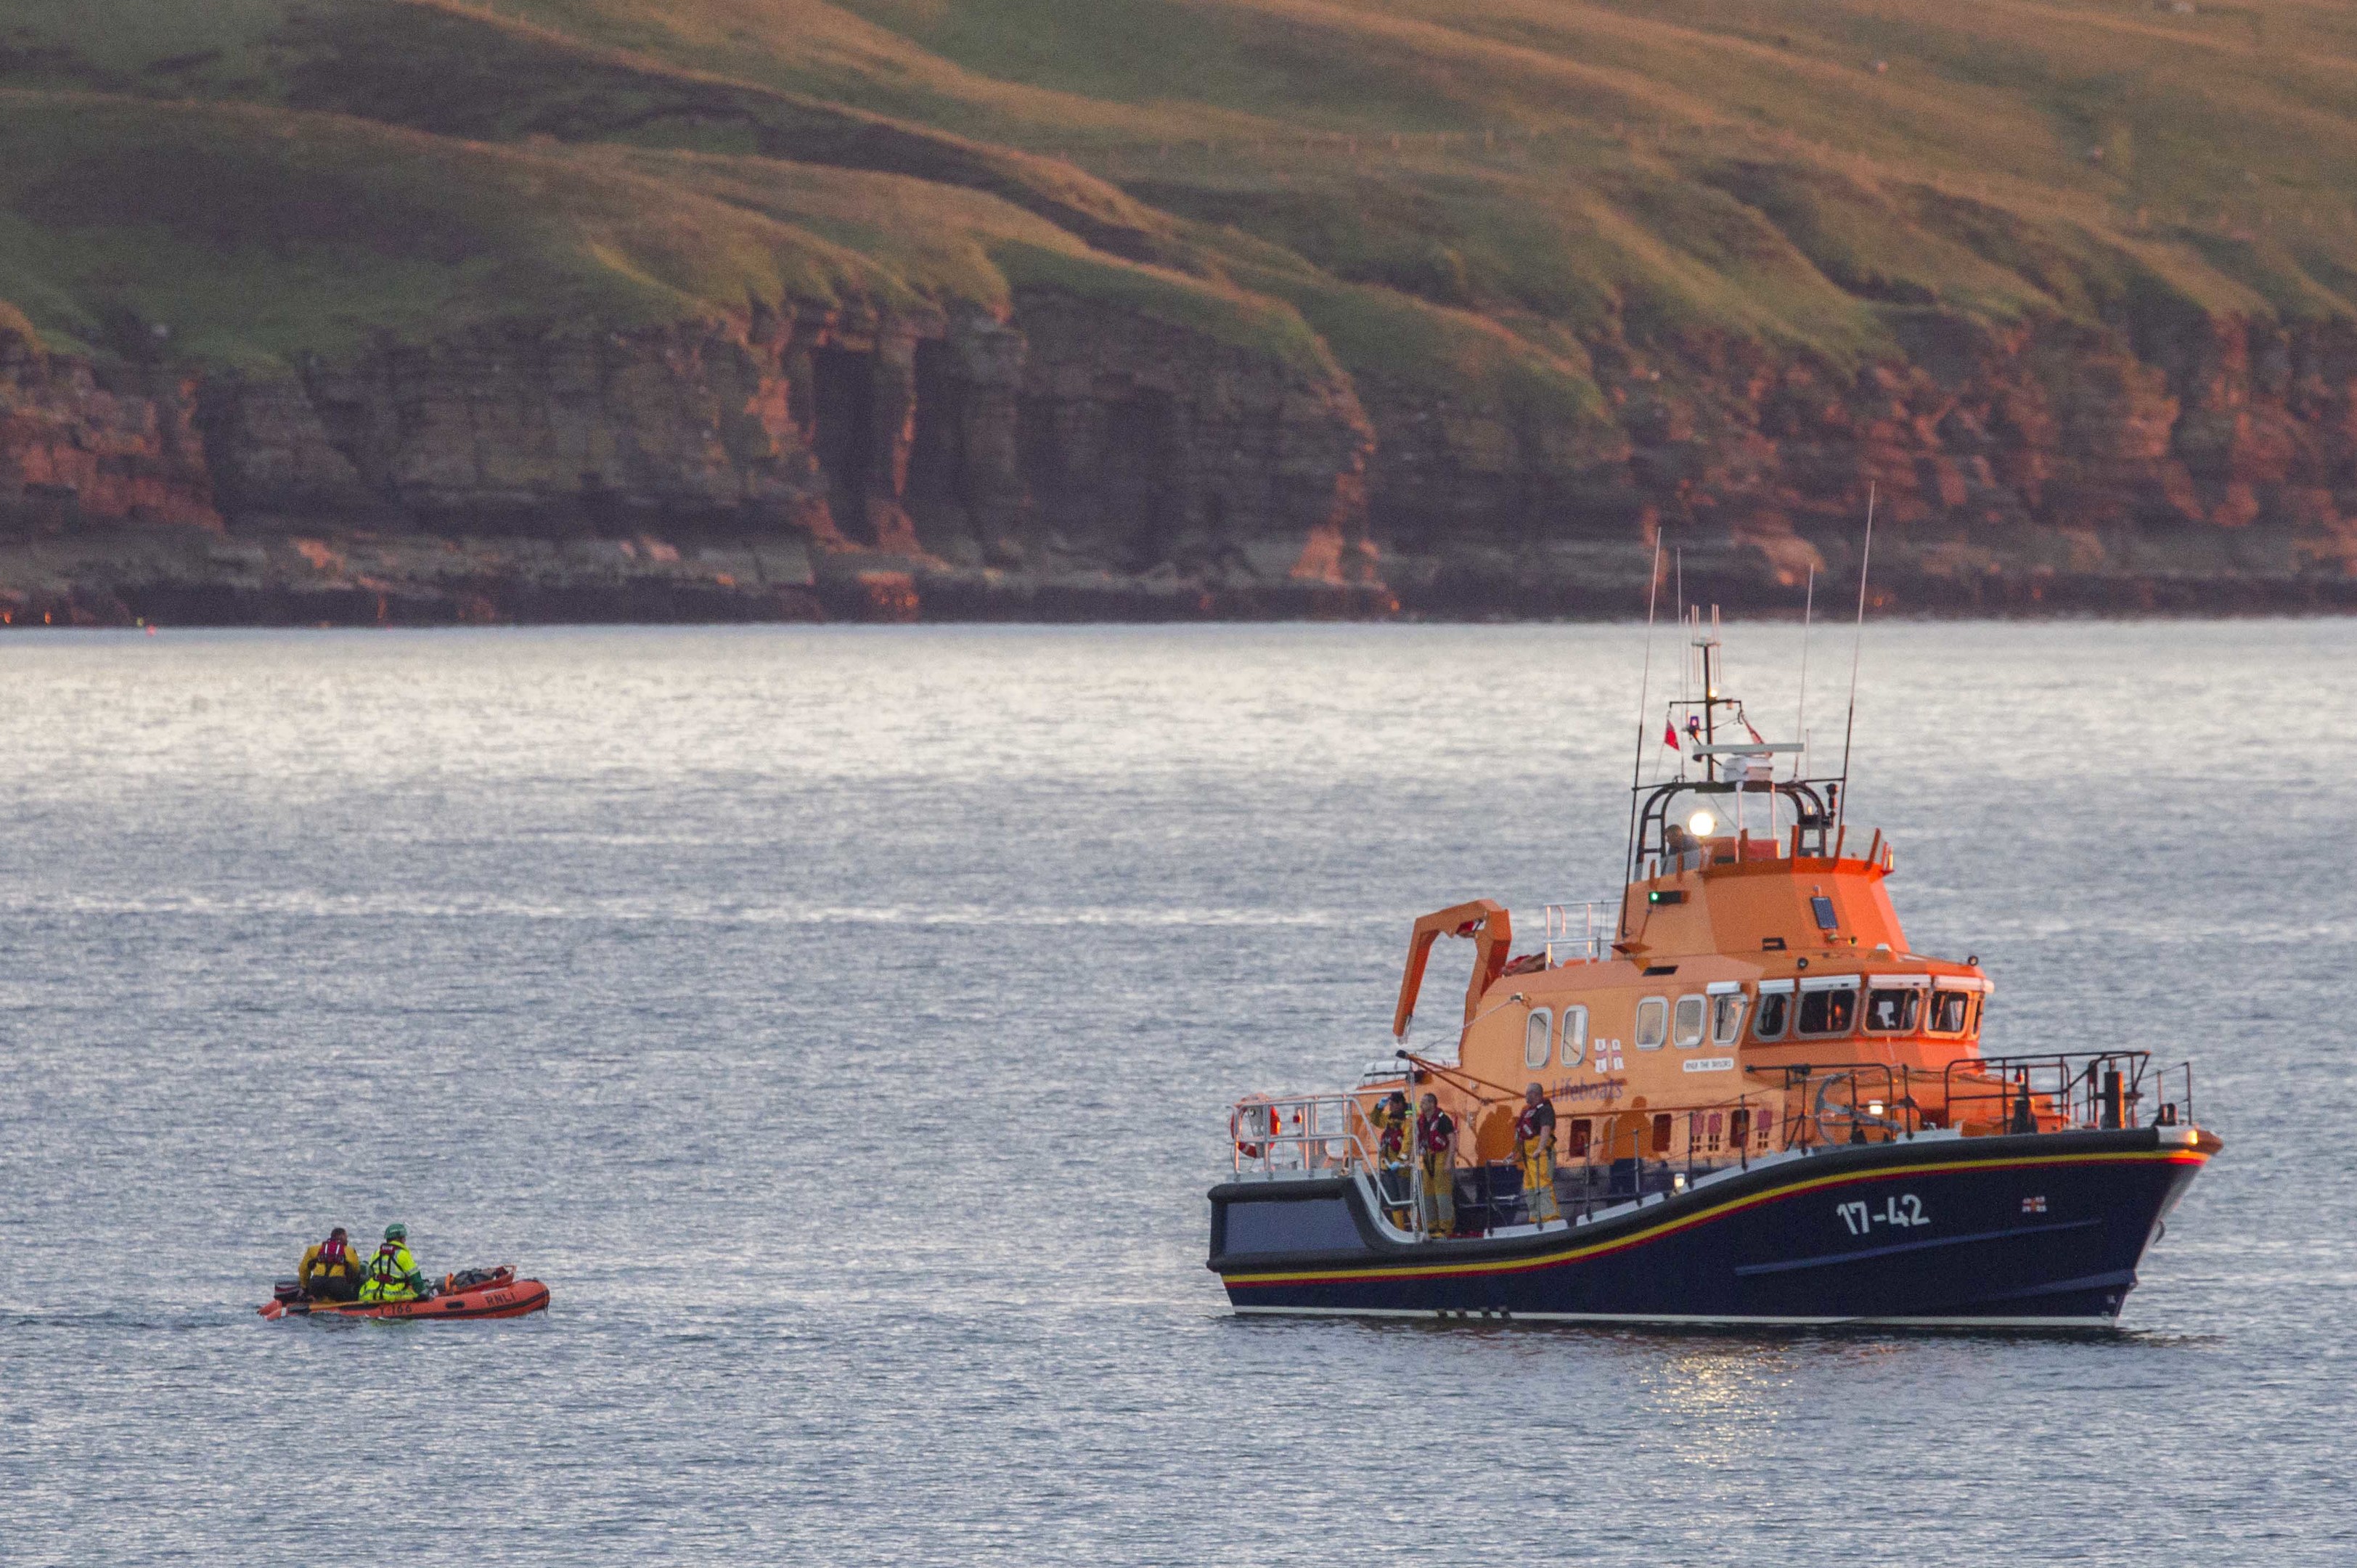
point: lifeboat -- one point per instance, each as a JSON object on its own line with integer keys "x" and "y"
{"x": 473, "y": 1294}
{"x": 1755, "y": 1103}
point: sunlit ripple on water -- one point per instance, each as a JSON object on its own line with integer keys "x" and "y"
{"x": 841, "y": 1018}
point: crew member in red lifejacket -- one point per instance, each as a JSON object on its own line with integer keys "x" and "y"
{"x": 1393, "y": 1121}
{"x": 330, "y": 1272}
{"x": 1436, "y": 1147}
{"x": 1535, "y": 1153}
{"x": 392, "y": 1274}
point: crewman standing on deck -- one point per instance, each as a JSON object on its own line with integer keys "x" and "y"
{"x": 1535, "y": 1153}
{"x": 1393, "y": 1122}
{"x": 1436, "y": 1147}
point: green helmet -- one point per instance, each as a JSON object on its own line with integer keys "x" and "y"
{"x": 397, "y": 1232}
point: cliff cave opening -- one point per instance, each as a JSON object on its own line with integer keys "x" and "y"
{"x": 1107, "y": 469}
{"x": 843, "y": 434}
{"x": 937, "y": 495}
{"x": 1137, "y": 474}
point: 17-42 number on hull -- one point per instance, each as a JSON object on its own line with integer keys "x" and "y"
{"x": 1902, "y": 1210}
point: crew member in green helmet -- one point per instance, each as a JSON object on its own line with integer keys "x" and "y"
{"x": 392, "y": 1273}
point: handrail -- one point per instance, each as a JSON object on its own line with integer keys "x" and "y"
{"x": 1599, "y": 920}
{"x": 2061, "y": 1090}
{"x": 1304, "y": 1141}
{"x": 1275, "y": 1135}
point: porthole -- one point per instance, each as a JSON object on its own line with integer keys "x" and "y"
{"x": 1653, "y": 1023}
{"x": 1575, "y": 1036}
{"x": 1687, "y": 1027}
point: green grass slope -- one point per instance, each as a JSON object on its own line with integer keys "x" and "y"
{"x": 1476, "y": 195}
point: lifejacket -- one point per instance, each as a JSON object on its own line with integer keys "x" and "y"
{"x": 1534, "y": 1128}
{"x": 386, "y": 1274}
{"x": 1437, "y": 1134}
{"x": 335, "y": 1257}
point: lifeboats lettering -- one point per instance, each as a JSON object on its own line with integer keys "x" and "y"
{"x": 1903, "y": 1210}
{"x": 1602, "y": 1089}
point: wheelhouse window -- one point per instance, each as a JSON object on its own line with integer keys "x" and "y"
{"x": 1775, "y": 1015}
{"x": 1575, "y": 1036}
{"x": 1653, "y": 1023}
{"x": 1950, "y": 1011}
{"x": 1726, "y": 1017}
{"x": 1687, "y": 1029}
{"x": 1830, "y": 1011}
{"x": 1892, "y": 1010}
{"x": 1538, "y": 1037}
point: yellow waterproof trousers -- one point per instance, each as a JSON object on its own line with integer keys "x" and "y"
{"x": 1439, "y": 1195}
{"x": 1538, "y": 1185}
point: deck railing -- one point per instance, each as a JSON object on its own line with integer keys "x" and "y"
{"x": 2066, "y": 1089}
{"x": 1581, "y": 933}
{"x": 1282, "y": 1135}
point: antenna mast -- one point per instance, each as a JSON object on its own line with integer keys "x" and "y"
{"x": 1857, "y": 642}
{"x": 1644, "y": 694}
{"x": 1808, "y": 613}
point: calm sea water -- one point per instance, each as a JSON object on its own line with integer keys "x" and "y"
{"x": 841, "y": 1020}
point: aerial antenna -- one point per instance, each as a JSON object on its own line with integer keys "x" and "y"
{"x": 1685, "y": 660}
{"x": 1857, "y": 642}
{"x": 1808, "y": 612}
{"x": 1644, "y": 694}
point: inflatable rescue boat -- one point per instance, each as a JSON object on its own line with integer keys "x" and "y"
{"x": 470, "y": 1294}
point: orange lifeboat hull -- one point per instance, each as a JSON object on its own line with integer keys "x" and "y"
{"x": 505, "y": 1298}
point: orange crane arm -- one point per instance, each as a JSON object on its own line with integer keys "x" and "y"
{"x": 1484, "y": 919}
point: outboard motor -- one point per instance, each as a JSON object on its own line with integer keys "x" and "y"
{"x": 287, "y": 1290}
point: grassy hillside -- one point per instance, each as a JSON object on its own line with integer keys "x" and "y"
{"x": 1477, "y": 194}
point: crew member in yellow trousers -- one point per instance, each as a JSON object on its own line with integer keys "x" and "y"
{"x": 1436, "y": 1147}
{"x": 1393, "y": 1121}
{"x": 1534, "y": 1152}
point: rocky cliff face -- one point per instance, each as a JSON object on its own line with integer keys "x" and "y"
{"x": 79, "y": 446}
{"x": 1080, "y": 460}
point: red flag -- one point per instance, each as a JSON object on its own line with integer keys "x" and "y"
{"x": 1670, "y": 734}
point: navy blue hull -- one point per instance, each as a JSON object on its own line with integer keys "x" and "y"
{"x": 2039, "y": 1230}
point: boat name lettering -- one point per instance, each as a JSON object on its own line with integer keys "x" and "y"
{"x": 1903, "y": 1210}
{"x": 1711, "y": 1064}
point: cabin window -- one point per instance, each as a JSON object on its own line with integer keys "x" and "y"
{"x": 1738, "y": 1128}
{"x": 1951, "y": 1010}
{"x": 1892, "y": 1010}
{"x": 1581, "y": 1130}
{"x": 1828, "y": 1012}
{"x": 1725, "y": 1018}
{"x": 1538, "y": 1036}
{"x": 1775, "y": 1013}
{"x": 1662, "y": 1134}
{"x": 1575, "y": 1035}
{"x": 1653, "y": 1023}
{"x": 1690, "y": 1012}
